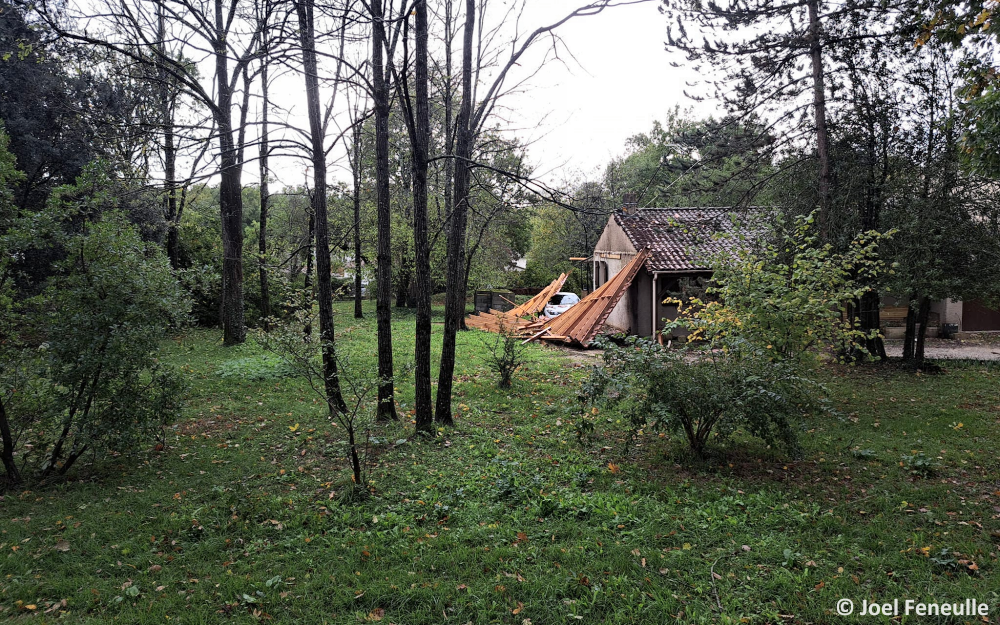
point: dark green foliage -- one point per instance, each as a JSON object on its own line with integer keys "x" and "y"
{"x": 689, "y": 162}
{"x": 102, "y": 316}
{"x": 59, "y": 109}
{"x": 701, "y": 393}
{"x": 80, "y": 327}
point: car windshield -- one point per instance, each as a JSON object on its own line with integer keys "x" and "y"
{"x": 563, "y": 299}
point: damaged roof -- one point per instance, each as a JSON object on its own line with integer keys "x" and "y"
{"x": 680, "y": 239}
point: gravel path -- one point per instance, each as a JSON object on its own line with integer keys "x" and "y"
{"x": 972, "y": 349}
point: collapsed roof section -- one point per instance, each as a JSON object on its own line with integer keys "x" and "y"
{"x": 578, "y": 325}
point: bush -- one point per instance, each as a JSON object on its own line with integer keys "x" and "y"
{"x": 505, "y": 353}
{"x": 103, "y": 315}
{"x": 701, "y": 393}
{"x": 786, "y": 293}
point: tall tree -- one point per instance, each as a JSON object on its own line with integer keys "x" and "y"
{"x": 417, "y": 115}
{"x": 473, "y": 114}
{"x": 131, "y": 28}
{"x": 324, "y": 291}
{"x": 386, "y": 410}
{"x": 263, "y": 17}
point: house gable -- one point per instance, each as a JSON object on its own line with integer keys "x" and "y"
{"x": 613, "y": 241}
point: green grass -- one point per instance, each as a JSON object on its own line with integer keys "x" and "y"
{"x": 507, "y": 518}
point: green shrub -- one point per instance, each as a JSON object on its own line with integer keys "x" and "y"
{"x": 701, "y": 393}
{"x": 505, "y": 353}
{"x": 103, "y": 315}
{"x": 787, "y": 293}
{"x": 920, "y": 464}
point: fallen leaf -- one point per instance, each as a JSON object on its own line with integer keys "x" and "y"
{"x": 62, "y": 545}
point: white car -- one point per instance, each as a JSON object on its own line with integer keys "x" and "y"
{"x": 560, "y": 303}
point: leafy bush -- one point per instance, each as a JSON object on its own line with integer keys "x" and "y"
{"x": 701, "y": 393}
{"x": 786, "y": 293}
{"x": 103, "y": 314}
{"x": 84, "y": 300}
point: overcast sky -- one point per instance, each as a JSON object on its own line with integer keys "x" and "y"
{"x": 575, "y": 113}
{"x": 623, "y": 81}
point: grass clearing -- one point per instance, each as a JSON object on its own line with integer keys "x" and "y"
{"x": 507, "y": 518}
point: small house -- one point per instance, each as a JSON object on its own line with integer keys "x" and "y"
{"x": 681, "y": 243}
{"x": 680, "y": 240}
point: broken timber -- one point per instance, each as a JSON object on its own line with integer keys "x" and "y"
{"x": 578, "y": 325}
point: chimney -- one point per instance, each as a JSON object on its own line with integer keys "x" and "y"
{"x": 630, "y": 203}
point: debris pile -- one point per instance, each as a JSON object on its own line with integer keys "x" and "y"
{"x": 578, "y": 325}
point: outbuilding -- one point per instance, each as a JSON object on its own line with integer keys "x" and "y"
{"x": 681, "y": 242}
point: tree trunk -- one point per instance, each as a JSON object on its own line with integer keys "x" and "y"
{"x": 922, "y": 316}
{"x": 819, "y": 108}
{"x": 169, "y": 149}
{"x": 455, "y": 296}
{"x": 868, "y": 317}
{"x": 230, "y": 196}
{"x": 358, "y": 312}
{"x": 170, "y": 183}
{"x": 265, "y": 195}
{"x": 324, "y": 287}
{"x": 383, "y": 293}
{"x": 308, "y": 251}
{"x": 421, "y": 244}
{"x": 7, "y": 453}
{"x": 910, "y": 336}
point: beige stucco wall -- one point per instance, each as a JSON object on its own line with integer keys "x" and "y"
{"x": 613, "y": 242}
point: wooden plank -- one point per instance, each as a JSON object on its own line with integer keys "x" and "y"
{"x": 582, "y": 321}
{"x": 535, "y": 336}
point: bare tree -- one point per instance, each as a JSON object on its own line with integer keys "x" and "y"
{"x": 304, "y": 9}
{"x": 215, "y": 32}
{"x": 472, "y": 115}
{"x": 383, "y": 277}
{"x": 263, "y": 17}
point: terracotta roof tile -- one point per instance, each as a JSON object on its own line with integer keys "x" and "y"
{"x": 680, "y": 238}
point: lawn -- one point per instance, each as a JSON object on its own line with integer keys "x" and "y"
{"x": 244, "y": 513}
